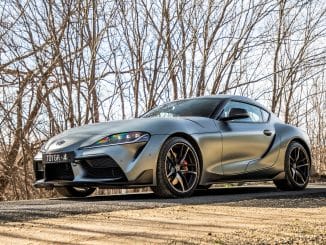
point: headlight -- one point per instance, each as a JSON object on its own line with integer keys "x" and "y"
{"x": 122, "y": 138}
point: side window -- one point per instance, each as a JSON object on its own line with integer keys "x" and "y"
{"x": 255, "y": 113}
{"x": 265, "y": 115}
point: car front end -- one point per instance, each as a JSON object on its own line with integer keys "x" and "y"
{"x": 122, "y": 159}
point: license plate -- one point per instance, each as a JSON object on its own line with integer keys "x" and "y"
{"x": 58, "y": 157}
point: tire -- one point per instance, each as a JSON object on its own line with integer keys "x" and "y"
{"x": 296, "y": 167}
{"x": 69, "y": 191}
{"x": 178, "y": 169}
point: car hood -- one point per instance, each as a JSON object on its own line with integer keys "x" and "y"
{"x": 86, "y": 135}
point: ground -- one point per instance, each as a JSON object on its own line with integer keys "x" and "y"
{"x": 246, "y": 215}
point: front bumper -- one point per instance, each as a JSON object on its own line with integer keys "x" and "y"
{"x": 111, "y": 166}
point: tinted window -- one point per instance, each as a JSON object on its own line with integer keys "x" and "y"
{"x": 255, "y": 114}
{"x": 204, "y": 107}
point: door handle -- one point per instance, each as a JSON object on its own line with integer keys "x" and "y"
{"x": 267, "y": 132}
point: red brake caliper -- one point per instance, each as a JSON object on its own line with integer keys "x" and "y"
{"x": 185, "y": 166}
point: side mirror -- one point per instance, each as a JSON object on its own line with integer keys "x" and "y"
{"x": 236, "y": 113}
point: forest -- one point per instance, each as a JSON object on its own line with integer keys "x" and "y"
{"x": 68, "y": 63}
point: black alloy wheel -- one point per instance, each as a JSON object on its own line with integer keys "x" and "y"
{"x": 296, "y": 168}
{"x": 178, "y": 169}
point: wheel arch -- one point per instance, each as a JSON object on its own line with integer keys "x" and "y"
{"x": 289, "y": 134}
{"x": 193, "y": 142}
{"x": 304, "y": 144}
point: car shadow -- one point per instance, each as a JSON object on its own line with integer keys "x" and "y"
{"x": 238, "y": 196}
{"x": 244, "y": 196}
{"x": 145, "y": 197}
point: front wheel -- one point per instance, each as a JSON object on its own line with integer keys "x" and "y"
{"x": 296, "y": 168}
{"x": 69, "y": 191}
{"x": 178, "y": 169}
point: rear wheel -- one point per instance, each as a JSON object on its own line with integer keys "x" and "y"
{"x": 296, "y": 168}
{"x": 178, "y": 169}
{"x": 69, "y": 191}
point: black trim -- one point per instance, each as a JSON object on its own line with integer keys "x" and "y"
{"x": 245, "y": 102}
{"x": 101, "y": 167}
{"x": 219, "y": 109}
{"x": 58, "y": 171}
{"x": 269, "y": 147}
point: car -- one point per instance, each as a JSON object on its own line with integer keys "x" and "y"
{"x": 176, "y": 148}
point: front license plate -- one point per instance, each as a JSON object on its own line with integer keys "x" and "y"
{"x": 58, "y": 157}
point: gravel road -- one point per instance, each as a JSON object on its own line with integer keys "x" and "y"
{"x": 18, "y": 211}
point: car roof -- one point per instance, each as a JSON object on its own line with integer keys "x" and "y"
{"x": 235, "y": 97}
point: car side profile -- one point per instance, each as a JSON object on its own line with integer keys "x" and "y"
{"x": 177, "y": 148}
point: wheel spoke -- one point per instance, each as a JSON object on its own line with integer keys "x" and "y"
{"x": 292, "y": 160}
{"x": 184, "y": 155}
{"x": 297, "y": 155}
{"x": 293, "y": 172}
{"x": 174, "y": 156}
{"x": 303, "y": 165}
{"x": 302, "y": 160}
{"x": 191, "y": 164}
{"x": 188, "y": 172}
{"x": 184, "y": 180}
{"x": 298, "y": 173}
{"x": 171, "y": 172}
{"x": 172, "y": 163}
{"x": 174, "y": 181}
{"x": 179, "y": 178}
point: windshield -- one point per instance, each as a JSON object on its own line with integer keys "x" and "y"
{"x": 203, "y": 107}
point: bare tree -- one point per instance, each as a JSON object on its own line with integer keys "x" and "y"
{"x": 69, "y": 63}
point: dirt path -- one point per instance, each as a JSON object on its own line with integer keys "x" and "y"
{"x": 300, "y": 220}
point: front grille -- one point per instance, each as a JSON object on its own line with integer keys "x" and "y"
{"x": 58, "y": 171}
{"x": 102, "y": 167}
{"x": 101, "y": 162}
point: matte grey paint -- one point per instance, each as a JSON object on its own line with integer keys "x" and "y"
{"x": 229, "y": 151}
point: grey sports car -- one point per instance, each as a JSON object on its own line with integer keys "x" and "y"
{"x": 177, "y": 148}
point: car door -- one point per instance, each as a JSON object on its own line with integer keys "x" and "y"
{"x": 244, "y": 141}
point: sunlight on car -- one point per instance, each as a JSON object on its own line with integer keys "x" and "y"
{"x": 190, "y": 145}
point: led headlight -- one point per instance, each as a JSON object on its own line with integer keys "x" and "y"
{"x": 123, "y": 138}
